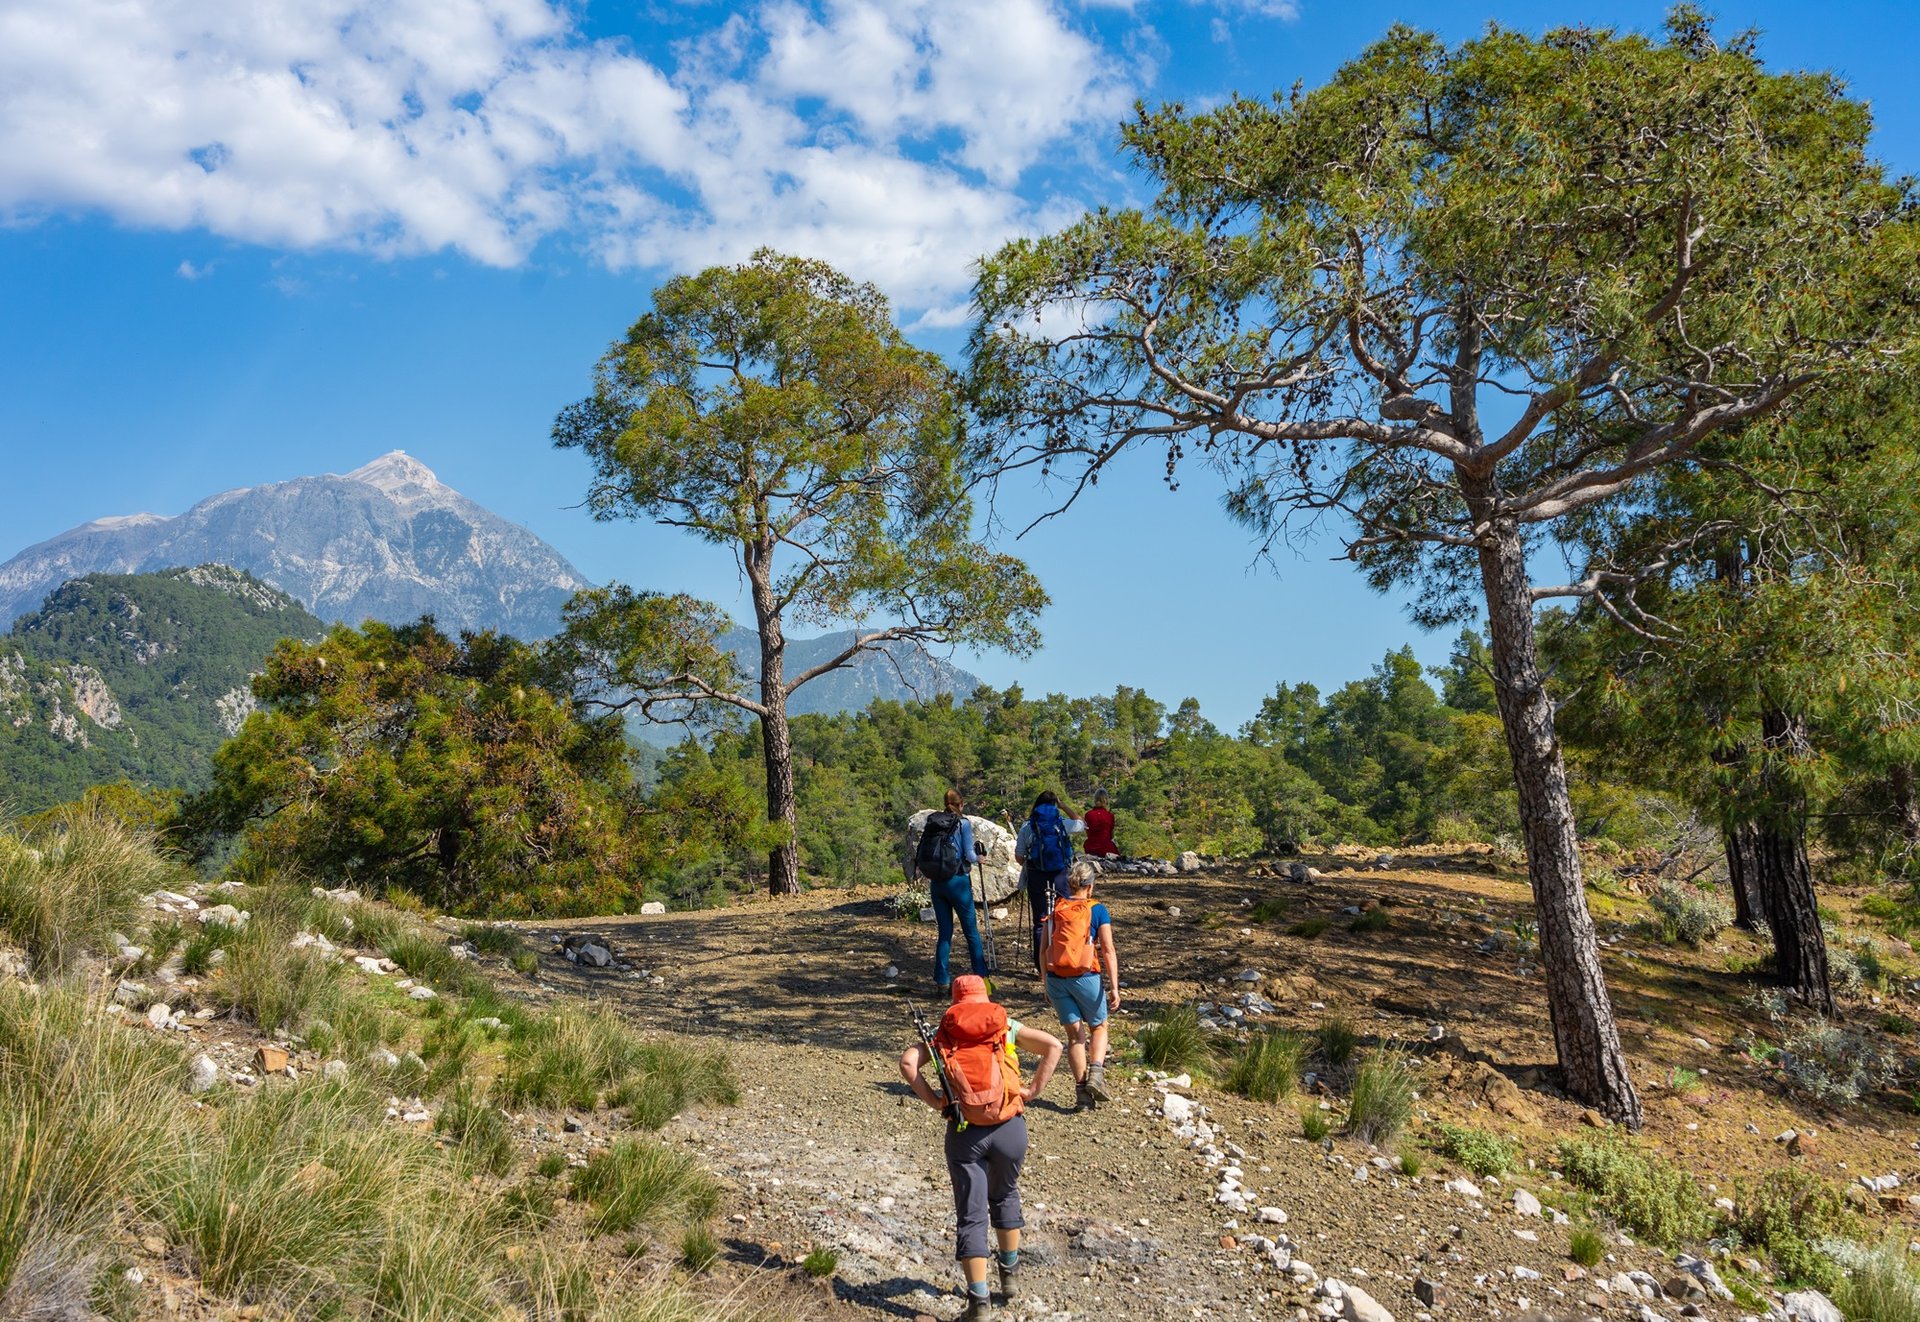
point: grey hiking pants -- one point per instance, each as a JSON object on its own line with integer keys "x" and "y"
{"x": 983, "y": 1161}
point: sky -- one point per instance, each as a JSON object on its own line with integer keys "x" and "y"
{"x": 242, "y": 243}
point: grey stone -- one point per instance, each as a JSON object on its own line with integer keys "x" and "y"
{"x": 202, "y": 1074}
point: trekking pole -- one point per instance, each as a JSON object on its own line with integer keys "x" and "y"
{"x": 984, "y": 918}
{"x": 924, "y": 1029}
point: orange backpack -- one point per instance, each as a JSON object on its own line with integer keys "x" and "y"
{"x": 983, "y": 1079}
{"x": 1070, "y": 950}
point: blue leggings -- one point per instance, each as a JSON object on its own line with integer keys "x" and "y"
{"x": 955, "y": 895}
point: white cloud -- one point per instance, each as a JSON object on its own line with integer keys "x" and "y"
{"x": 891, "y": 139}
{"x": 1285, "y": 10}
{"x": 188, "y": 271}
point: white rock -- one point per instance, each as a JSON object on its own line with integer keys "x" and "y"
{"x": 383, "y": 1059}
{"x": 1359, "y": 1306}
{"x": 652, "y": 907}
{"x": 374, "y": 965}
{"x": 1175, "y": 1107}
{"x": 1811, "y": 1306}
{"x": 1525, "y": 1204}
{"x": 1188, "y": 862}
{"x": 1248, "y": 975}
{"x": 1702, "y": 1270}
{"x": 202, "y": 1074}
{"x": 1465, "y": 1188}
{"x": 1525, "y": 1274}
{"x": 892, "y": 971}
{"x": 422, "y": 994}
{"x": 334, "y": 1069}
{"x": 1273, "y": 1216}
{"x": 225, "y": 913}
{"x": 159, "y": 1014}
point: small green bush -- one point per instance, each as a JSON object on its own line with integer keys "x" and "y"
{"x": 1789, "y": 1215}
{"x": 1338, "y": 1038}
{"x": 1475, "y": 1149}
{"x": 530, "y": 1205}
{"x": 1175, "y": 1040}
{"x": 1382, "y": 1099}
{"x": 66, "y": 884}
{"x": 1687, "y": 915}
{"x": 588, "y": 1058}
{"x": 1586, "y": 1246}
{"x": 271, "y": 987}
{"x": 526, "y": 963}
{"x": 820, "y": 1263}
{"x": 1881, "y": 1284}
{"x": 1410, "y": 1163}
{"x": 1372, "y": 920}
{"x": 1311, "y": 927}
{"x": 1270, "y": 910}
{"x": 1314, "y": 1124}
{"x": 907, "y": 902}
{"x": 427, "y": 960}
{"x": 1653, "y": 1198}
{"x": 636, "y": 1182}
{"x": 551, "y": 1166}
{"x": 1267, "y": 1067}
{"x": 479, "y": 1132}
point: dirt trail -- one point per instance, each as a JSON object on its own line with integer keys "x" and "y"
{"x": 828, "y": 1148}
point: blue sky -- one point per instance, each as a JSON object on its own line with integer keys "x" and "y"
{"x": 239, "y": 248}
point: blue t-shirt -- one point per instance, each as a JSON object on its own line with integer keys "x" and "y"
{"x": 1097, "y": 920}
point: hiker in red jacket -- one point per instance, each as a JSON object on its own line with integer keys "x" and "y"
{"x": 1100, "y": 828}
{"x": 986, "y": 1130}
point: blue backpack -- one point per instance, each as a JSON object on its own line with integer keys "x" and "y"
{"x": 1051, "y": 849}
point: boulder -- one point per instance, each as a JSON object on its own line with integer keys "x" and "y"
{"x": 592, "y": 951}
{"x": 996, "y": 877}
{"x": 1811, "y": 1306}
{"x": 1525, "y": 1204}
{"x": 1356, "y": 1305}
{"x": 1188, "y": 862}
{"x": 652, "y": 907}
{"x": 226, "y": 914}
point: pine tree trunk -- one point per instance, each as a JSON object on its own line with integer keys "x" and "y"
{"x": 1593, "y": 1064}
{"x": 1743, "y": 875}
{"x": 1906, "y": 804}
{"x": 1786, "y": 879}
{"x": 776, "y": 739}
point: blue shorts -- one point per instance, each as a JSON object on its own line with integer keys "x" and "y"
{"x": 1078, "y": 999}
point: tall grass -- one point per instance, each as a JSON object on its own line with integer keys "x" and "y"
{"x": 587, "y": 1058}
{"x": 1174, "y": 1040}
{"x": 1338, "y": 1038}
{"x": 1382, "y": 1100}
{"x": 1881, "y": 1285}
{"x": 1267, "y": 1068}
{"x": 72, "y": 880}
{"x": 636, "y": 1182}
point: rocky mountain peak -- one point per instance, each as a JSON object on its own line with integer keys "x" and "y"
{"x": 403, "y": 478}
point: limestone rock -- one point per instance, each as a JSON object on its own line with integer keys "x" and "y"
{"x": 1811, "y": 1306}
{"x": 1359, "y": 1306}
{"x": 202, "y": 1074}
{"x": 996, "y": 876}
{"x": 225, "y": 914}
{"x": 1188, "y": 862}
{"x": 652, "y": 907}
{"x": 1525, "y": 1204}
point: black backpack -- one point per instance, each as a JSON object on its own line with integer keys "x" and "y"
{"x": 938, "y": 857}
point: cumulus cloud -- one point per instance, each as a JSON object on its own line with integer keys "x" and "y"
{"x": 890, "y": 138}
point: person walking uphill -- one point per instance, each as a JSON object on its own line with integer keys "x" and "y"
{"x": 1045, "y": 848}
{"x": 945, "y": 858}
{"x": 1079, "y": 944}
{"x": 983, "y": 1101}
{"x": 1100, "y": 827}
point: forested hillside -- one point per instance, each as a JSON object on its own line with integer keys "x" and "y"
{"x": 135, "y": 676}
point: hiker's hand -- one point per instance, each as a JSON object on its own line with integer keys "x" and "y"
{"x": 1029, "y": 1093}
{"x": 979, "y": 850}
{"x": 1113, "y": 998}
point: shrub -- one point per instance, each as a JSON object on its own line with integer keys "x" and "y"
{"x": 552, "y": 1166}
{"x": 1267, "y": 1068}
{"x": 532, "y": 1205}
{"x": 1310, "y": 927}
{"x": 1410, "y": 1163}
{"x": 1655, "y": 1199}
{"x": 1382, "y": 1100}
{"x": 1270, "y": 910}
{"x": 909, "y": 900}
{"x": 1688, "y": 915}
{"x": 1314, "y": 1124}
{"x": 1684, "y": 1080}
{"x": 1881, "y": 1284}
{"x": 65, "y": 885}
{"x": 273, "y": 988}
{"x": 820, "y": 1263}
{"x": 1834, "y": 1064}
{"x": 526, "y": 963}
{"x": 1174, "y": 1040}
{"x": 636, "y": 1182}
{"x": 1475, "y": 1149}
{"x": 1338, "y": 1039}
{"x": 1789, "y": 1215}
{"x": 1586, "y": 1247}
{"x": 1855, "y": 967}
{"x": 427, "y": 960}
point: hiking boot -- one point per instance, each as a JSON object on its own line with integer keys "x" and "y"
{"x": 1082, "y": 1099}
{"x": 979, "y": 1308}
{"x": 1009, "y": 1278}
{"x": 1096, "y": 1084}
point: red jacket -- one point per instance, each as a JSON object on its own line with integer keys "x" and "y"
{"x": 1100, "y": 833}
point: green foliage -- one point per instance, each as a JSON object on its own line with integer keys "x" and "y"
{"x": 1381, "y": 1102}
{"x": 1475, "y": 1149}
{"x": 1174, "y": 1041}
{"x": 170, "y": 648}
{"x": 587, "y": 1058}
{"x": 1267, "y": 1067}
{"x": 1372, "y": 920}
{"x": 1314, "y": 1124}
{"x": 453, "y": 770}
{"x": 1688, "y": 915}
{"x": 1309, "y": 928}
{"x": 69, "y": 881}
{"x": 1409, "y": 1163}
{"x": 1881, "y": 1284}
{"x": 1792, "y": 1216}
{"x": 479, "y": 1131}
{"x": 907, "y": 902}
{"x": 699, "y": 1250}
{"x": 490, "y": 939}
{"x": 820, "y": 1263}
{"x": 1656, "y": 1200}
{"x": 1586, "y": 1246}
{"x": 636, "y": 1182}
{"x": 1338, "y": 1038}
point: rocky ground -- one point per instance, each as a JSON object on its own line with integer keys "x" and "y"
{"x": 1126, "y": 1216}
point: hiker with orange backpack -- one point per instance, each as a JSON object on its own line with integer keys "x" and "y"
{"x": 983, "y": 1100}
{"x": 1079, "y": 943}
